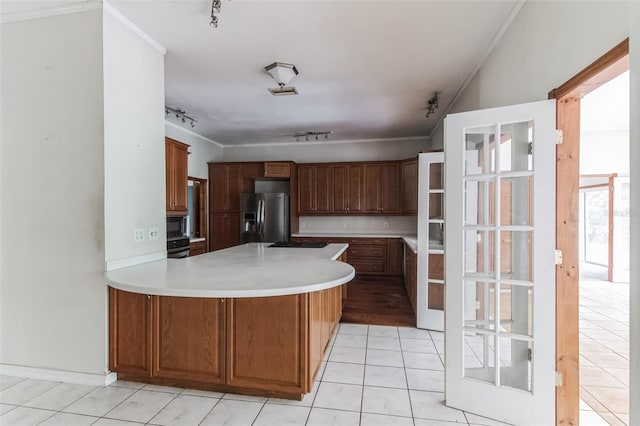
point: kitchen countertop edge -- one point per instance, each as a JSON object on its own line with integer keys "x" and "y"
{"x": 303, "y": 278}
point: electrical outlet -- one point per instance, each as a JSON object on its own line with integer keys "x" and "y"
{"x": 344, "y": 225}
{"x": 138, "y": 235}
{"x": 386, "y": 225}
{"x": 154, "y": 234}
{"x": 304, "y": 225}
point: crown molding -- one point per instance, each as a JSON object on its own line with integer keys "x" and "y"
{"x": 331, "y": 142}
{"x": 133, "y": 27}
{"x": 192, "y": 133}
{"x": 47, "y": 11}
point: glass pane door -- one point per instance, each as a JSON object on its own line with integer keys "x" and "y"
{"x": 500, "y": 273}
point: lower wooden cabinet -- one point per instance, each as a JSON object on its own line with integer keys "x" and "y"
{"x": 269, "y": 346}
{"x": 369, "y": 256}
{"x": 264, "y": 341}
{"x": 130, "y": 330}
{"x": 197, "y": 248}
{"x": 188, "y": 338}
{"x": 411, "y": 275}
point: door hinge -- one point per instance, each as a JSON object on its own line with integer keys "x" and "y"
{"x": 558, "y": 255}
{"x": 559, "y": 136}
{"x": 558, "y": 378}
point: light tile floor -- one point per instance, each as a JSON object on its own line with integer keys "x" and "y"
{"x": 604, "y": 352}
{"x": 372, "y": 375}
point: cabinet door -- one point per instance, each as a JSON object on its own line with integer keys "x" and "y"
{"x": 189, "y": 338}
{"x": 306, "y": 183}
{"x": 277, "y": 170}
{"x": 180, "y": 177}
{"x": 394, "y": 256}
{"x": 232, "y": 237}
{"x": 129, "y": 333}
{"x": 409, "y": 189}
{"x": 354, "y": 188}
{"x": 217, "y": 227}
{"x": 371, "y": 176}
{"x": 265, "y": 337}
{"x": 322, "y": 188}
{"x": 218, "y": 188}
{"x": 234, "y": 187}
{"x": 389, "y": 183}
{"x": 339, "y": 180}
{"x": 169, "y": 173}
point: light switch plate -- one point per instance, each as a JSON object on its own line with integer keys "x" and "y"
{"x": 154, "y": 234}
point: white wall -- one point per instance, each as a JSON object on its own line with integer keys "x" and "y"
{"x": 634, "y": 54}
{"x": 547, "y": 43}
{"x": 359, "y": 224}
{"x": 202, "y": 149}
{"x": 134, "y": 141}
{"x": 53, "y": 293}
{"x": 329, "y": 151}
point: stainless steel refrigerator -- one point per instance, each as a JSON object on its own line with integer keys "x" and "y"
{"x": 264, "y": 218}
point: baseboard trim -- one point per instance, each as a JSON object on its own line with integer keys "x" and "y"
{"x": 58, "y": 375}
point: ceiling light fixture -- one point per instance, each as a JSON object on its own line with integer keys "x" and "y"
{"x": 215, "y": 8}
{"x": 180, "y": 115}
{"x": 311, "y": 134}
{"x": 432, "y": 104}
{"x": 282, "y": 73}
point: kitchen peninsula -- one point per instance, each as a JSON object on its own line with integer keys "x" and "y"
{"x": 250, "y": 319}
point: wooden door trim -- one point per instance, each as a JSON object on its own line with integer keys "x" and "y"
{"x": 608, "y": 66}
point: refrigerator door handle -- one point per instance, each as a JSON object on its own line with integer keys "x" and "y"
{"x": 261, "y": 217}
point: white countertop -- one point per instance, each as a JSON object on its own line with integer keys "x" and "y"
{"x": 248, "y": 270}
{"x": 196, "y": 240}
{"x": 411, "y": 242}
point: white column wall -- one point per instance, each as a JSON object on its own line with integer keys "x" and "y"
{"x": 53, "y": 300}
{"x": 135, "y": 187}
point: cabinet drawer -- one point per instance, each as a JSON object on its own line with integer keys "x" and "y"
{"x": 281, "y": 170}
{"x": 367, "y": 266}
{"x": 356, "y": 251}
{"x": 197, "y": 248}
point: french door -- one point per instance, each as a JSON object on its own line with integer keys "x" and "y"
{"x": 500, "y": 263}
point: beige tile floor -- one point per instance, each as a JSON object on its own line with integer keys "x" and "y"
{"x": 372, "y": 375}
{"x": 604, "y": 352}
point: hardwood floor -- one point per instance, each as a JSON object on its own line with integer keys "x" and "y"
{"x": 379, "y": 300}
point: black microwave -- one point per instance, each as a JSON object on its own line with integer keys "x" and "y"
{"x": 176, "y": 226}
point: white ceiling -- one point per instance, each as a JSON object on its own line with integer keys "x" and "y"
{"x": 367, "y": 68}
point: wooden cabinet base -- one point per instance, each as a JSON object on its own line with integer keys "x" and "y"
{"x": 267, "y": 346}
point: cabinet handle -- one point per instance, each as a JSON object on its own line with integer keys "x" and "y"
{"x": 148, "y": 296}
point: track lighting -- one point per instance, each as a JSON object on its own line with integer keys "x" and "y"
{"x": 311, "y": 134}
{"x": 180, "y": 115}
{"x": 215, "y": 8}
{"x": 432, "y": 104}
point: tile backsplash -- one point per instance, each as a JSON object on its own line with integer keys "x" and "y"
{"x": 355, "y": 224}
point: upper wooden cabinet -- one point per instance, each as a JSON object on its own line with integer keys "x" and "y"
{"x": 225, "y": 187}
{"x": 176, "y": 163}
{"x": 347, "y": 188}
{"x": 409, "y": 188}
{"x": 381, "y": 184}
{"x": 314, "y": 188}
{"x": 280, "y": 169}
